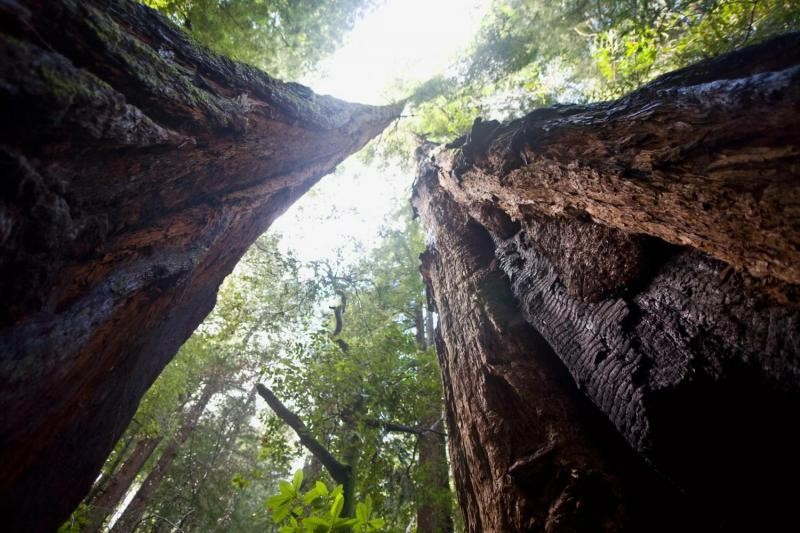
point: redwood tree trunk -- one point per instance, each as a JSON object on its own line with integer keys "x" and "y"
{"x": 650, "y": 247}
{"x": 102, "y": 506}
{"x": 137, "y": 168}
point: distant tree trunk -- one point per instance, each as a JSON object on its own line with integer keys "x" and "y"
{"x": 107, "y": 500}
{"x": 644, "y": 253}
{"x": 434, "y": 511}
{"x": 132, "y": 516}
{"x": 429, "y": 319}
{"x": 434, "y": 504}
{"x": 107, "y": 476}
{"x": 138, "y": 168}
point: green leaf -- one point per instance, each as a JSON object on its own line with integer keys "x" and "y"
{"x": 316, "y": 521}
{"x": 376, "y": 523}
{"x": 287, "y": 489}
{"x": 368, "y": 505}
{"x": 310, "y": 496}
{"x": 336, "y": 508}
{"x": 344, "y": 524}
{"x": 361, "y": 513}
{"x": 297, "y": 481}
{"x": 277, "y": 501}
{"x": 279, "y": 513}
{"x": 321, "y": 488}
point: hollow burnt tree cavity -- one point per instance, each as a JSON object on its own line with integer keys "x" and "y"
{"x": 138, "y": 167}
{"x": 652, "y": 245}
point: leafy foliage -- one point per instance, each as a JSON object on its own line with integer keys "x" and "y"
{"x": 383, "y": 376}
{"x": 318, "y": 509}
{"x": 532, "y": 53}
{"x": 285, "y": 38}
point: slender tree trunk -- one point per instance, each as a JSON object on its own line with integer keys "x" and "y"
{"x": 434, "y": 499}
{"x": 429, "y": 319}
{"x": 434, "y": 510}
{"x": 419, "y": 327}
{"x": 611, "y": 251}
{"x": 137, "y": 170}
{"x": 107, "y": 477}
{"x": 136, "y": 508}
{"x": 106, "y": 501}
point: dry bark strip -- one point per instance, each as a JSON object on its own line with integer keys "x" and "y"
{"x": 654, "y": 243}
{"x": 137, "y": 168}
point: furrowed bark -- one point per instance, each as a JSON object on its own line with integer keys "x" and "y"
{"x": 651, "y": 244}
{"x": 694, "y": 159}
{"x": 138, "y": 167}
{"x": 528, "y": 453}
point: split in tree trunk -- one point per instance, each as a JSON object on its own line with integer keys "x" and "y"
{"x": 651, "y": 247}
{"x": 138, "y": 167}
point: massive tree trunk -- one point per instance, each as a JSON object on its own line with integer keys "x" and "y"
{"x": 650, "y": 247}
{"x": 137, "y": 169}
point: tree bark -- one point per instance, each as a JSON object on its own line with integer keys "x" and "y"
{"x": 136, "y": 508}
{"x": 650, "y": 247}
{"x": 104, "y": 504}
{"x": 138, "y": 168}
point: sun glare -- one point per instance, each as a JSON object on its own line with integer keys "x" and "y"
{"x": 406, "y": 40}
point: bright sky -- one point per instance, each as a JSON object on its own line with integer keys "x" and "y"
{"x": 410, "y": 40}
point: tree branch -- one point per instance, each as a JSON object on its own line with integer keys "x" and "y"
{"x": 401, "y": 428}
{"x": 339, "y": 472}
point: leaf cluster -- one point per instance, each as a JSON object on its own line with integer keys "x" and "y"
{"x": 318, "y": 509}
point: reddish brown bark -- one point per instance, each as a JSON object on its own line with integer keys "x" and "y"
{"x": 555, "y": 248}
{"x": 527, "y": 452}
{"x": 138, "y": 167}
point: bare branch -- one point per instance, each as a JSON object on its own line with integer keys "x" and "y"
{"x": 401, "y": 428}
